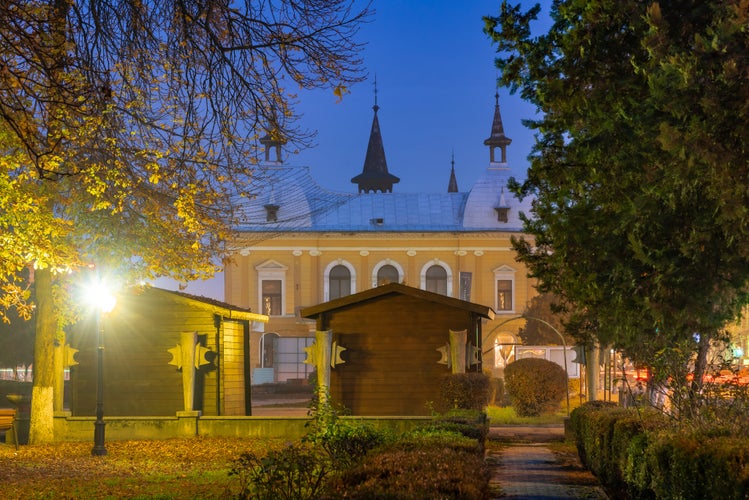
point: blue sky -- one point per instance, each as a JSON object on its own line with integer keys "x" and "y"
{"x": 436, "y": 82}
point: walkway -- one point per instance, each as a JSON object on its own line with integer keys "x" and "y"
{"x": 525, "y": 468}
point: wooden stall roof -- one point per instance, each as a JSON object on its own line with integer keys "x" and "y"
{"x": 207, "y": 304}
{"x": 395, "y": 289}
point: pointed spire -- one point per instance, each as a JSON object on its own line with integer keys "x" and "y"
{"x": 498, "y": 139}
{"x": 375, "y": 107}
{"x": 375, "y": 176}
{"x": 452, "y": 186}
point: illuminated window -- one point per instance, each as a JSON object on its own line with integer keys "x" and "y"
{"x": 339, "y": 282}
{"x": 272, "y": 297}
{"x": 271, "y": 287}
{"x": 504, "y": 295}
{"x": 504, "y": 299}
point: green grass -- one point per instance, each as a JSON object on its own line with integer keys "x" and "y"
{"x": 505, "y": 415}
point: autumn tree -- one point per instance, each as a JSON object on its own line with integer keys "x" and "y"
{"x": 129, "y": 129}
{"x": 640, "y": 169}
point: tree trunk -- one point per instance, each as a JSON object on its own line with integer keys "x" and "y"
{"x": 592, "y": 370}
{"x": 41, "y": 428}
{"x": 700, "y": 366}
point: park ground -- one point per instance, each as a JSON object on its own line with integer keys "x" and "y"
{"x": 196, "y": 467}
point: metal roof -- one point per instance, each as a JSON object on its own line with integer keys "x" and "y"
{"x": 303, "y": 205}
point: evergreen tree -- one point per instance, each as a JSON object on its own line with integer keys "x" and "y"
{"x": 640, "y": 169}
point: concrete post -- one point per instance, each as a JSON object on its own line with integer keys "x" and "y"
{"x": 458, "y": 350}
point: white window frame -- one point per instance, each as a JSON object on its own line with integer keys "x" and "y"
{"x": 387, "y": 262}
{"x": 268, "y": 271}
{"x": 326, "y": 277}
{"x": 443, "y": 265}
{"x": 505, "y": 273}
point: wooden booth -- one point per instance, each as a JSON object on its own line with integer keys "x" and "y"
{"x": 164, "y": 352}
{"x": 383, "y": 351}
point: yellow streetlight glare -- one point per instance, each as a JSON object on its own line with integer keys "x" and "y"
{"x": 101, "y": 297}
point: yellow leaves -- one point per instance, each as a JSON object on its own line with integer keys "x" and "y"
{"x": 154, "y": 175}
{"x": 339, "y": 91}
{"x": 145, "y": 469}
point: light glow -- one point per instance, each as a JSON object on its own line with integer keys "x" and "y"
{"x": 100, "y": 296}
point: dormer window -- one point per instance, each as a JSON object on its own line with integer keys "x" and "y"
{"x": 502, "y": 208}
{"x": 503, "y": 213}
{"x": 271, "y": 212}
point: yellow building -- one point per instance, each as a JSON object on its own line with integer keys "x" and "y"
{"x": 301, "y": 245}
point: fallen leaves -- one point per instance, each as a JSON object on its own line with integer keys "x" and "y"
{"x": 172, "y": 468}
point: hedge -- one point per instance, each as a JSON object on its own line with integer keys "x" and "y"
{"x": 641, "y": 454}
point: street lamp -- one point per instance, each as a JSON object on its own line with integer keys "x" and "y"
{"x": 103, "y": 302}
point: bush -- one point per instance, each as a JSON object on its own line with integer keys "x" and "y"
{"x": 426, "y": 438}
{"x": 469, "y": 423}
{"x": 341, "y": 458}
{"x": 294, "y": 473}
{"x": 696, "y": 466}
{"x": 348, "y": 442}
{"x": 422, "y": 465}
{"x": 535, "y": 386}
{"x": 345, "y": 441}
{"x": 468, "y": 391}
{"x": 641, "y": 454}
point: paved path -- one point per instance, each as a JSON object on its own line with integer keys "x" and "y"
{"x": 525, "y": 468}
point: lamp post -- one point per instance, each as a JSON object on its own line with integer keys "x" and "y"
{"x": 104, "y": 302}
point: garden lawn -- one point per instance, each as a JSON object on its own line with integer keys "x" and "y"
{"x": 165, "y": 469}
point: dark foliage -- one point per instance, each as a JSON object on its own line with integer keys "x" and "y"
{"x": 468, "y": 391}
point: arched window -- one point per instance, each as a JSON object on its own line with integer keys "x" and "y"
{"x": 339, "y": 282}
{"x": 267, "y": 349}
{"x": 436, "y": 280}
{"x": 387, "y": 271}
{"x": 387, "y": 274}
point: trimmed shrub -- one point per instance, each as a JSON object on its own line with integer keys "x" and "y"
{"x": 426, "y": 438}
{"x": 422, "y": 465}
{"x": 535, "y": 386}
{"x": 696, "y": 466}
{"x": 639, "y": 454}
{"x": 469, "y": 423}
{"x": 470, "y": 391}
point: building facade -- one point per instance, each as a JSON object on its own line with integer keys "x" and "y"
{"x": 165, "y": 352}
{"x": 301, "y": 245}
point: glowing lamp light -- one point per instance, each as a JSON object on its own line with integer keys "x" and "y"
{"x": 99, "y": 296}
